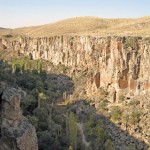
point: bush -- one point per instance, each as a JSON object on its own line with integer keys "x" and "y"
{"x": 103, "y": 92}
{"x": 115, "y": 113}
{"x": 130, "y": 42}
{"x": 33, "y": 120}
{"x": 134, "y": 102}
{"x": 47, "y": 141}
{"x": 28, "y": 104}
{"x": 121, "y": 98}
{"x": 131, "y": 147}
{"x": 39, "y": 85}
{"x": 100, "y": 133}
{"x": 134, "y": 118}
{"x": 41, "y": 114}
{"x": 103, "y": 105}
{"x": 125, "y": 117}
{"x": 62, "y": 68}
{"x": 70, "y": 148}
{"x": 108, "y": 145}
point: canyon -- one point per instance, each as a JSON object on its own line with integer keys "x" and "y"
{"x": 76, "y": 70}
{"x": 118, "y": 64}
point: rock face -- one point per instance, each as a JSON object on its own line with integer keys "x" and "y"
{"x": 118, "y": 63}
{"x": 16, "y": 132}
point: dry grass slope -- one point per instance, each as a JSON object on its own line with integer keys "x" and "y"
{"x": 4, "y": 31}
{"x": 89, "y": 26}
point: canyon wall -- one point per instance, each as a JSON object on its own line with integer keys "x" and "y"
{"x": 119, "y": 64}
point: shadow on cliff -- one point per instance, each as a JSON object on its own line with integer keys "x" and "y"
{"x": 39, "y": 92}
{"x": 121, "y": 139}
{"x": 57, "y": 87}
{"x": 37, "y": 87}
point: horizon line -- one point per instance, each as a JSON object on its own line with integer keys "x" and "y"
{"x": 63, "y": 19}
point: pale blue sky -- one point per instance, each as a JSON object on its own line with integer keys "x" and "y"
{"x": 18, "y": 13}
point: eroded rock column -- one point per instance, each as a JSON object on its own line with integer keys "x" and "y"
{"x": 16, "y": 132}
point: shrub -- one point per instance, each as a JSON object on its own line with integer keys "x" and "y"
{"x": 121, "y": 98}
{"x": 103, "y": 105}
{"x": 33, "y": 120}
{"x": 108, "y": 145}
{"x": 46, "y": 141}
{"x": 134, "y": 102}
{"x": 134, "y": 117}
{"x": 62, "y": 68}
{"x": 130, "y": 42}
{"x": 115, "y": 113}
{"x": 41, "y": 114}
{"x": 125, "y": 117}
{"x": 70, "y": 148}
{"x": 131, "y": 147}
{"x": 28, "y": 104}
{"x": 100, "y": 133}
{"x": 103, "y": 92}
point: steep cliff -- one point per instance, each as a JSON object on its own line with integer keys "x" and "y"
{"x": 16, "y": 132}
{"x": 118, "y": 64}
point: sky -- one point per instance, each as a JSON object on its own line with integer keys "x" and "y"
{"x": 20, "y": 13}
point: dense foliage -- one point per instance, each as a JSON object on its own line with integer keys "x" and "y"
{"x": 41, "y": 91}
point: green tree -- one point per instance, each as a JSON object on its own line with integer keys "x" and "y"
{"x": 33, "y": 120}
{"x": 22, "y": 66}
{"x": 100, "y": 133}
{"x": 90, "y": 124}
{"x": 39, "y": 67}
{"x": 13, "y": 67}
{"x": 72, "y": 129}
{"x": 70, "y": 148}
{"x": 41, "y": 96}
{"x": 108, "y": 145}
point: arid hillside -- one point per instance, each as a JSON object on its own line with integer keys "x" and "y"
{"x": 87, "y": 26}
{"x": 4, "y": 31}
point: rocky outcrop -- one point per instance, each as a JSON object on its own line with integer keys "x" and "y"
{"x": 16, "y": 132}
{"x": 118, "y": 63}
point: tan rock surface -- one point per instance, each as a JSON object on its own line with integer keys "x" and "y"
{"x": 122, "y": 62}
{"x": 16, "y": 131}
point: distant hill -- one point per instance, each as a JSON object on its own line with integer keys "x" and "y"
{"x": 4, "y": 31}
{"x": 90, "y": 26}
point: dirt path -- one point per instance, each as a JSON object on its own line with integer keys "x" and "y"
{"x": 87, "y": 144}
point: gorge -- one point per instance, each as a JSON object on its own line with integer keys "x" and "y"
{"x": 76, "y": 91}
{"x": 120, "y": 64}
